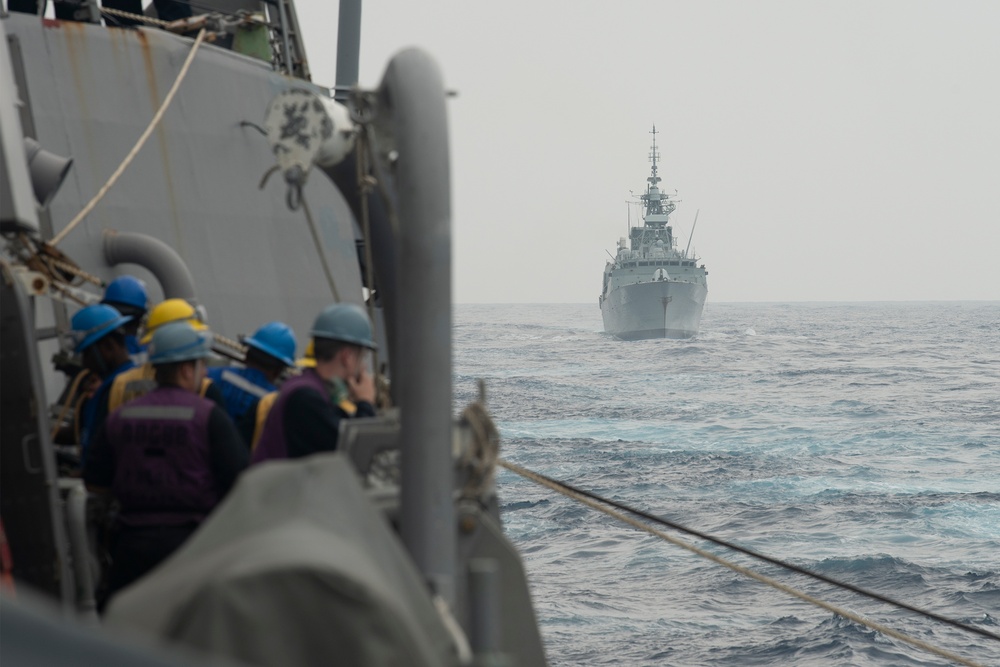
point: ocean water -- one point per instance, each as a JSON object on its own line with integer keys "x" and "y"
{"x": 861, "y": 440}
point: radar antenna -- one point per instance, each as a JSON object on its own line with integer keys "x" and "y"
{"x": 654, "y": 156}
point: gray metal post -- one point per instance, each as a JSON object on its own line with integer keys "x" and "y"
{"x": 286, "y": 53}
{"x": 76, "y": 523}
{"x": 484, "y": 594}
{"x": 17, "y": 205}
{"x": 348, "y": 46}
{"x": 412, "y": 93}
{"x": 32, "y": 510}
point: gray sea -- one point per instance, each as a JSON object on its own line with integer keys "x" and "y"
{"x": 859, "y": 440}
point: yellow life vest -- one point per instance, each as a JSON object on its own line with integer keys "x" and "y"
{"x": 130, "y": 385}
{"x": 263, "y": 408}
{"x": 136, "y": 382}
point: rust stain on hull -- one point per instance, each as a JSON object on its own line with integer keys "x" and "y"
{"x": 75, "y": 38}
{"x": 162, "y": 138}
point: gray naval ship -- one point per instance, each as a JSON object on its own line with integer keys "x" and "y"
{"x": 651, "y": 289}
{"x": 197, "y": 154}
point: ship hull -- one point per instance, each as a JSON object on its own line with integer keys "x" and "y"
{"x": 658, "y": 309}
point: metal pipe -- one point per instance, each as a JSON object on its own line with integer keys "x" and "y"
{"x": 286, "y": 54}
{"x": 412, "y": 94}
{"x": 348, "y": 46}
{"x": 76, "y": 520}
{"x": 484, "y": 591}
{"x": 17, "y": 206}
{"x": 153, "y": 254}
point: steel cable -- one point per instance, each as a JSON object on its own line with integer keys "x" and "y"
{"x": 597, "y": 502}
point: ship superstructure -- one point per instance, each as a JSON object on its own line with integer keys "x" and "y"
{"x": 652, "y": 289}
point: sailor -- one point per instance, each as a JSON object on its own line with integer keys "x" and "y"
{"x": 168, "y": 457}
{"x": 128, "y": 295}
{"x": 140, "y": 380}
{"x": 270, "y": 350}
{"x": 101, "y": 341}
{"x": 251, "y": 426}
{"x": 305, "y": 418}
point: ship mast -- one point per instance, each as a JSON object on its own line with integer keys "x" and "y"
{"x": 657, "y": 205}
{"x": 653, "y": 155}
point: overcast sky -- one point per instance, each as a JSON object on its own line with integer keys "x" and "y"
{"x": 836, "y": 151}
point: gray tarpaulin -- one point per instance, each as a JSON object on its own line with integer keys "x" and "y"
{"x": 36, "y": 632}
{"x": 294, "y": 568}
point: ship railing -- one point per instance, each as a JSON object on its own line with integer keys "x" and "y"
{"x": 267, "y": 31}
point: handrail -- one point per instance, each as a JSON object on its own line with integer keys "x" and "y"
{"x": 412, "y": 93}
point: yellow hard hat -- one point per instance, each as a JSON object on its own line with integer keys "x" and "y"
{"x": 309, "y": 360}
{"x": 171, "y": 310}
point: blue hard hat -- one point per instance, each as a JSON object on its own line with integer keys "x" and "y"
{"x": 179, "y": 341}
{"x": 128, "y": 291}
{"x": 93, "y": 323}
{"x": 345, "y": 322}
{"x": 276, "y": 339}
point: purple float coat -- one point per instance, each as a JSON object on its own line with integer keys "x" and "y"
{"x": 163, "y": 470}
{"x": 272, "y": 443}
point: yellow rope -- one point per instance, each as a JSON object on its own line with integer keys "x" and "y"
{"x": 135, "y": 149}
{"x": 135, "y": 17}
{"x": 66, "y": 267}
{"x": 46, "y": 260}
{"x": 76, "y": 420}
{"x": 235, "y": 345}
{"x": 527, "y": 474}
{"x": 70, "y": 395}
{"x": 67, "y": 293}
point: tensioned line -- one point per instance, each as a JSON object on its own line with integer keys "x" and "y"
{"x": 601, "y": 504}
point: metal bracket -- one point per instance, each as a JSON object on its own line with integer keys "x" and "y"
{"x": 33, "y": 282}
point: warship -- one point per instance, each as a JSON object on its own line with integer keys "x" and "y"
{"x": 651, "y": 289}
{"x": 197, "y": 154}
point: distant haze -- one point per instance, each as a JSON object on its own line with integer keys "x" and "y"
{"x": 837, "y": 151}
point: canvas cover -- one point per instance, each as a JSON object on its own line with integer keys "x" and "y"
{"x": 295, "y": 568}
{"x": 36, "y": 632}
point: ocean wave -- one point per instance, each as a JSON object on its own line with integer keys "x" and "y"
{"x": 856, "y": 439}
{"x": 523, "y": 504}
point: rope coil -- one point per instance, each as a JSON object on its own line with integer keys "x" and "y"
{"x": 52, "y": 263}
{"x": 480, "y": 459}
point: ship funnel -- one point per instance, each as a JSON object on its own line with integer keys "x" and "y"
{"x": 47, "y": 170}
